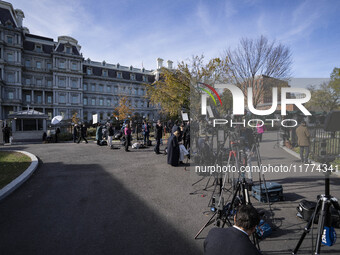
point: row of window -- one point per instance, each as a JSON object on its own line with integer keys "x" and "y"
{"x": 38, "y": 64}
{"x": 37, "y": 99}
{"x": 119, "y": 74}
{"x": 93, "y": 102}
{"x": 123, "y": 89}
{"x": 73, "y": 65}
{"x": 38, "y": 81}
{"x": 28, "y": 98}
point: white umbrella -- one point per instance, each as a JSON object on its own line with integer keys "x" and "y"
{"x": 56, "y": 119}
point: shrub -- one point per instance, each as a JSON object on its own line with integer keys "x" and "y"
{"x": 65, "y": 137}
{"x": 91, "y": 131}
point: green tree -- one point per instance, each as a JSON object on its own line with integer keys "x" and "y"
{"x": 327, "y": 96}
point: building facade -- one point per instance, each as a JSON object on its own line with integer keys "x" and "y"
{"x": 53, "y": 77}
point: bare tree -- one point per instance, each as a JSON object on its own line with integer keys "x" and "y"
{"x": 253, "y": 58}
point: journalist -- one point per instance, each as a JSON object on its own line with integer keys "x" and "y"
{"x": 234, "y": 240}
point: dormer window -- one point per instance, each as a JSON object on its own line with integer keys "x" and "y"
{"x": 105, "y": 73}
{"x": 131, "y": 68}
{"x": 89, "y": 71}
{"x": 118, "y": 65}
{"x": 119, "y": 75}
{"x": 38, "y": 48}
{"x": 68, "y": 50}
{"x": 132, "y": 77}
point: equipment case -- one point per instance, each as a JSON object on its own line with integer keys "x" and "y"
{"x": 275, "y": 192}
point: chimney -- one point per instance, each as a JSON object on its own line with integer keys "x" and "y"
{"x": 169, "y": 64}
{"x": 159, "y": 63}
{"x": 20, "y": 16}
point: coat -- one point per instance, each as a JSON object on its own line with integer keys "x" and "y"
{"x": 228, "y": 241}
{"x": 99, "y": 133}
{"x": 173, "y": 151}
{"x": 303, "y": 136}
{"x": 159, "y": 132}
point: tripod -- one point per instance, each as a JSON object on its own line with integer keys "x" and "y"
{"x": 323, "y": 206}
{"x": 219, "y": 212}
{"x": 255, "y": 149}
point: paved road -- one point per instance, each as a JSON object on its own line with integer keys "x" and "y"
{"x": 85, "y": 199}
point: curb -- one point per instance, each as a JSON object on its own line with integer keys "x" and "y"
{"x": 16, "y": 183}
{"x": 293, "y": 153}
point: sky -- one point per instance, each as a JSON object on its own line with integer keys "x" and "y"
{"x": 138, "y": 32}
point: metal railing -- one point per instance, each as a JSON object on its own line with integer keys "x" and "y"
{"x": 331, "y": 139}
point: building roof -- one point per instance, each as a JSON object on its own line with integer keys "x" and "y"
{"x": 28, "y": 45}
{"x": 39, "y": 37}
{"x": 5, "y": 16}
{"x": 28, "y": 114}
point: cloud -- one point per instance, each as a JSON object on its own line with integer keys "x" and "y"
{"x": 230, "y": 9}
{"x": 132, "y": 32}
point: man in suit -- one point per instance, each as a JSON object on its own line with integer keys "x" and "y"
{"x": 234, "y": 240}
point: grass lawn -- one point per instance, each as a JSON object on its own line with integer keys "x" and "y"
{"x": 12, "y": 164}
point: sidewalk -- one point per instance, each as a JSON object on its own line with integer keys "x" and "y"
{"x": 296, "y": 186}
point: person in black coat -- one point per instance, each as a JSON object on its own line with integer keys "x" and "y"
{"x": 158, "y": 136}
{"x": 83, "y": 131}
{"x": 173, "y": 149}
{"x": 234, "y": 240}
{"x": 7, "y": 133}
{"x": 57, "y": 132}
{"x": 75, "y": 133}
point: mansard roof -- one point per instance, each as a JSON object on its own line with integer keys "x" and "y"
{"x": 5, "y": 16}
{"x": 28, "y": 45}
{"x": 61, "y": 48}
{"x": 39, "y": 37}
{"x": 98, "y": 71}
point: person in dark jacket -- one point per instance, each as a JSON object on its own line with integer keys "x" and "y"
{"x": 83, "y": 132}
{"x": 57, "y": 132}
{"x": 6, "y": 133}
{"x": 186, "y": 136}
{"x": 99, "y": 133}
{"x": 146, "y": 132}
{"x": 173, "y": 149}
{"x": 111, "y": 133}
{"x": 75, "y": 133}
{"x": 234, "y": 240}
{"x": 158, "y": 136}
{"x": 127, "y": 133}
